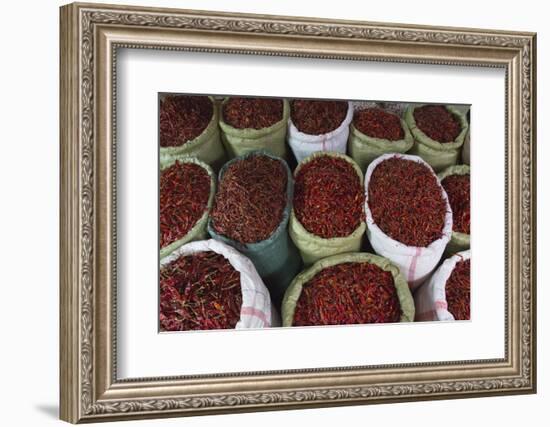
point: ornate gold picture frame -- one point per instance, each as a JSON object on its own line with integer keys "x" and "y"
{"x": 90, "y": 37}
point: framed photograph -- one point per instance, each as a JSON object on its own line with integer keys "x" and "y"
{"x": 268, "y": 212}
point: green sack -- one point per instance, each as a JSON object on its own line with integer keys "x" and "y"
{"x": 206, "y": 147}
{"x": 459, "y": 241}
{"x": 438, "y": 155}
{"x": 466, "y": 149}
{"x": 241, "y": 141}
{"x": 312, "y": 247}
{"x": 276, "y": 258}
{"x": 295, "y": 289}
{"x": 198, "y": 232}
{"x": 364, "y": 149}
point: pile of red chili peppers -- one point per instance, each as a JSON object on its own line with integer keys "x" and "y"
{"x": 199, "y": 291}
{"x": 348, "y": 293}
{"x": 406, "y": 202}
{"x": 457, "y": 291}
{"x": 328, "y": 197}
{"x": 183, "y": 118}
{"x": 437, "y": 122}
{"x": 252, "y": 113}
{"x": 377, "y": 123}
{"x": 317, "y": 117}
{"x": 184, "y": 193}
{"x": 251, "y": 199}
{"x": 457, "y": 188}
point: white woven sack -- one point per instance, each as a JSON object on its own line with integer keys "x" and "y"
{"x": 415, "y": 263}
{"x": 429, "y": 299}
{"x": 256, "y": 310}
{"x": 303, "y": 144}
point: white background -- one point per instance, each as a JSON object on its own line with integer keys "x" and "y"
{"x": 141, "y": 350}
{"x": 29, "y": 172}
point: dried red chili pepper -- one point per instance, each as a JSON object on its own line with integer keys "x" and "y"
{"x": 377, "y": 123}
{"x": 183, "y": 118}
{"x": 328, "y": 197}
{"x": 317, "y": 117}
{"x": 406, "y": 202}
{"x": 252, "y": 113}
{"x": 348, "y": 293}
{"x": 457, "y": 291}
{"x": 184, "y": 193}
{"x": 437, "y": 122}
{"x": 199, "y": 291}
{"x": 251, "y": 199}
{"x": 457, "y": 188}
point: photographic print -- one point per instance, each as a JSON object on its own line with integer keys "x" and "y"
{"x": 311, "y": 212}
{"x": 283, "y": 207}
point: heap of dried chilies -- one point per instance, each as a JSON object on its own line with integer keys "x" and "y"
{"x": 328, "y": 197}
{"x": 183, "y": 118}
{"x": 199, "y": 291}
{"x": 251, "y": 199}
{"x": 457, "y": 188}
{"x": 437, "y": 122}
{"x": 377, "y": 123}
{"x": 184, "y": 193}
{"x": 348, "y": 293}
{"x": 317, "y": 117}
{"x": 457, "y": 291}
{"x": 252, "y": 113}
{"x": 406, "y": 202}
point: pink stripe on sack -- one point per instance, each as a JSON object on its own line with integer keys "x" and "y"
{"x": 412, "y": 266}
{"x": 441, "y": 305}
{"x": 251, "y": 311}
